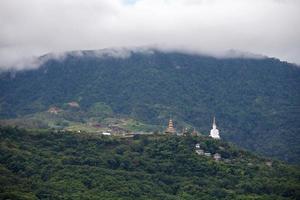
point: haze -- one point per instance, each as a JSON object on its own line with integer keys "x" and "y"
{"x": 35, "y": 27}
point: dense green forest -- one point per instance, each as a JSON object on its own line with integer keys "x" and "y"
{"x": 65, "y": 165}
{"x": 256, "y": 101}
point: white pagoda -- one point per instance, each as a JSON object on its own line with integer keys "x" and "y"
{"x": 214, "y": 132}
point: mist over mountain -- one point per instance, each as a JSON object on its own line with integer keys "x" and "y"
{"x": 31, "y": 28}
{"x": 256, "y": 101}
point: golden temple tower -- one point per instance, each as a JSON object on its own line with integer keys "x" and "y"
{"x": 194, "y": 133}
{"x": 170, "y": 129}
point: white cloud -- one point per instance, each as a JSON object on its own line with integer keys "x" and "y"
{"x": 34, "y": 27}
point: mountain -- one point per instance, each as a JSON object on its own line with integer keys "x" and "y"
{"x": 68, "y": 165}
{"x": 256, "y": 101}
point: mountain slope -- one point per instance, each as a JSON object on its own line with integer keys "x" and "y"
{"x": 56, "y": 165}
{"x": 256, "y": 101}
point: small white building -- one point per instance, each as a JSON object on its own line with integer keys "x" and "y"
{"x": 197, "y": 146}
{"x": 217, "y": 157}
{"x": 106, "y": 133}
{"x": 200, "y": 152}
{"x": 214, "y": 132}
{"x": 269, "y": 164}
{"x": 207, "y": 154}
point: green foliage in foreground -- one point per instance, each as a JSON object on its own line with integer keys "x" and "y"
{"x": 49, "y": 165}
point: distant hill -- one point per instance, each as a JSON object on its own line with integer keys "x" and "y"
{"x": 67, "y": 165}
{"x": 256, "y": 101}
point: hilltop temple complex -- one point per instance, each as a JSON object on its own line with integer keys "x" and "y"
{"x": 214, "y": 133}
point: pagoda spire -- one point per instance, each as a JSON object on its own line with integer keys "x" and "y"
{"x": 214, "y": 123}
{"x": 214, "y": 132}
{"x": 194, "y": 133}
{"x": 170, "y": 129}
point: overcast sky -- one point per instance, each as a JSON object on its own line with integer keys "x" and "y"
{"x": 35, "y": 27}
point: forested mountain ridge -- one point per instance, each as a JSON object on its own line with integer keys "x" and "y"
{"x": 256, "y": 101}
{"x": 68, "y": 165}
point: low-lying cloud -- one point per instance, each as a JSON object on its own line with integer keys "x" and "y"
{"x": 35, "y": 27}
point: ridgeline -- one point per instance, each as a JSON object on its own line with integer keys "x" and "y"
{"x": 256, "y": 101}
